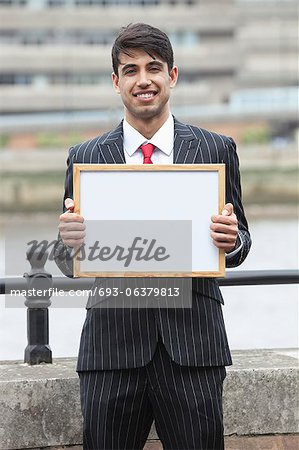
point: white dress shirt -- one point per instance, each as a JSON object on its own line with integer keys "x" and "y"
{"x": 162, "y": 140}
{"x": 163, "y": 153}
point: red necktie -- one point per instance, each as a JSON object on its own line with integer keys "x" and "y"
{"x": 147, "y": 150}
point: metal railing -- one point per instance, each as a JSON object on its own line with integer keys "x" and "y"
{"x": 38, "y": 279}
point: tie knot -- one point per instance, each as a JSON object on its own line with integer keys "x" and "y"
{"x": 147, "y": 150}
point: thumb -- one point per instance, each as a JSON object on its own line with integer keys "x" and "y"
{"x": 228, "y": 210}
{"x": 69, "y": 204}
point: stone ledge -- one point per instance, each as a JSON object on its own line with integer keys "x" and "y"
{"x": 272, "y": 442}
{"x": 40, "y": 406}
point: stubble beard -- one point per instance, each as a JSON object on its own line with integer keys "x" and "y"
{"x": 148, "y": 112}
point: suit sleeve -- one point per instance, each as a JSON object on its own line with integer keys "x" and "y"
{"x": 62, "y": 253}
{"x": 234, "y": 196}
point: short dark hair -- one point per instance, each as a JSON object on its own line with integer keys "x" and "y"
{"x": 142, "y": 36}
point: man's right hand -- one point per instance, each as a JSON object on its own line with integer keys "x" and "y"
{"x": 71, "y": 226}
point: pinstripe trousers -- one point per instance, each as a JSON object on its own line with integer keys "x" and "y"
{"x": 119, "y": 406}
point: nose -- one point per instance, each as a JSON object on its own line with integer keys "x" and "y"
{"x": 143, "y": 80}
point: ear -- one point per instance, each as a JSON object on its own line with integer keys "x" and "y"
{"x": 173, "y": 75}
{"x": 115, "y": 82}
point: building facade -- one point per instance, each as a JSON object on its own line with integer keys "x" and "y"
{"x": 55, "y": 54}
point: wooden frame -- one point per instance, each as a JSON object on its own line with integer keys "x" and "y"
{"x": 195, "y": 197}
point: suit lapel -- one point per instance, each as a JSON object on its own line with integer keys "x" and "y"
{"x": 187, "y": 145}
{"x": 112, "y": 149}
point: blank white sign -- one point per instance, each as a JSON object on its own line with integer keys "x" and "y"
{"x": 154, "y": 192}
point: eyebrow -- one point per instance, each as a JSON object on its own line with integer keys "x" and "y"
{"x": 128, "y": 66}
{"x": 155, "y": 63}
{"x": 151, "y": 63}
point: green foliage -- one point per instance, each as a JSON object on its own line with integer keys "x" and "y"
{"x": 74, "y": 138}
{"x": 255, "y": 136}
{"x": 55, "y": 140}
{"x": 48, "y": 140}
{"x": 3, "y": 141}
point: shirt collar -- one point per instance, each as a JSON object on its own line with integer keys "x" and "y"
{"x": 162, "y": 139}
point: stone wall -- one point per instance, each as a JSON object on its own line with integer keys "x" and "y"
{"x": 40, "y": 405}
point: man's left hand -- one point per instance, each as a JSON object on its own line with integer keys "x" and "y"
{"x": 224, "y": 229}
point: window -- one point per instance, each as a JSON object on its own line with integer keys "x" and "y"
{"x": 188, "y": 38}
{"x": 13, "y": 2}
{"x": 116, "y": 2}
{"x": 56, "y": 3}
{"x": 9, "y": 78}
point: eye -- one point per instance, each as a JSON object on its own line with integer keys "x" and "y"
{"x": 130, "y": 71}
{"x": 155, "y": 69}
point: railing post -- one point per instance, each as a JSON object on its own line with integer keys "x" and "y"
{"x": 39, "y": 291}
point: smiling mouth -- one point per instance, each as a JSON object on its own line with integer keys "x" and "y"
{"x": 145, "y": 95}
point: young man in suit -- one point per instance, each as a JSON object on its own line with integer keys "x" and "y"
{"x": 139, "y": 365}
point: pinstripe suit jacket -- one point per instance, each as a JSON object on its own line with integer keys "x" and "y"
{"x": 114, "y": 338}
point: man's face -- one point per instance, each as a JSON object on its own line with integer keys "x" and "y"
{"x": 144, "y": 84}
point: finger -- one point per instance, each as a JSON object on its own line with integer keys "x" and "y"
{"x": 224, "y": 228}
{"x": 227, "y": 220}
{"x": 69, "y": 204}
{"x": 228, "y": 210}
{"x": 222, "y": 237}
{"x": 71, "y": 227}
{"x": 71, "y": 217}
{"x": 73, "y": 235}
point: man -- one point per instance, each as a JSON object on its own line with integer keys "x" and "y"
{"x": 139, "y": 365}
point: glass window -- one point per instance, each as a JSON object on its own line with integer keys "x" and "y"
{"x": 37, "y": 4}
{"x": 116, "y": 2}
{"x": 56, "y": 3}
{"x": 23, "y": 79}
{"x": 13, "y": 2}
{"x": 188, "y": 38}
{"x": 7, "y": 78}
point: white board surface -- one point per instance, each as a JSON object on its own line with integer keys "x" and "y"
{"x": 165, "y": 193}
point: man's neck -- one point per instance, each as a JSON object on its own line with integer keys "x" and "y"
{"x": 147, "y": 127}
